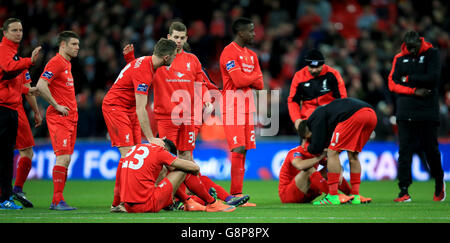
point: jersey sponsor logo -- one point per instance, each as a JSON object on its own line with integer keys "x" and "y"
{"x": 48, "y": 74}
{"x": 142, "y": 88}
{"x": 230, "y": 64}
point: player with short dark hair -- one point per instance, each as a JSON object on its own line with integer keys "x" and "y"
{"x": 124, "y": 106}
{"x": 344, "y": 124}
{"x": 141, "y": 167}
{"x": 241, "y": 73}
{"x": 56, "y": 86}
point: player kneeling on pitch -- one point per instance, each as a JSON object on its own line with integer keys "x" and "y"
{"x": 141, "y": 168}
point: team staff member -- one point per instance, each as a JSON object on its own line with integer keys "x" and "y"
{"x": 415, "y": 77}
{"x": 241, "y": 73}
{"x": 312, "y": 86}
{"x": 124, "y": 106}
{"x": 344, "y": 124}
{"x": 11, "y": 90}
{"x": 56, "y": 86}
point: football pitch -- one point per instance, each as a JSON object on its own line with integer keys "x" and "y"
{"x": 93, "y": 199}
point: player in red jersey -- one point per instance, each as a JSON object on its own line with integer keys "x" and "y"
{"x": 25, "y": 142}
{"x": 124, "y": 106}
{"x": 56, "y": 86}
{"x": 143, "y": 190}
{"x": 300, "y": 182}
{"x": 240, "y": 73}
{"x": 175, "y": 105}
{"x": 11, "y": 90}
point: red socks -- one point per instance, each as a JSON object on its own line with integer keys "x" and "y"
{"x": 237, "y": 172}
{"x": 195, "y": 185}
{"x": 181, "y": 193}
{"x": 344, "y": 187}
{"x": 355, "y": 181}
{"x": 59, "y": 181}
{"x": 23, "y": 169}
{"x": 319, "y": 182}
{"x": 333, "y": 181}
{"x": 221, "y": 193}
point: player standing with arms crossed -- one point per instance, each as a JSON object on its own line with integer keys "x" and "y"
{"x": 240, "y": 74}
{"x": 124, "y": 106}
{"x": 56, "y": 86}
{"x": 11, "y": 90}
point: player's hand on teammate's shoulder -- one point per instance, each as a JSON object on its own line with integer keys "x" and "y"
{"x": 157, "y": 141}
{"x": 422, "y": 92}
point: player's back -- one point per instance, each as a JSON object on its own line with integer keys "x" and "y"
{"x": 140, "y": 170}
{"x": 122, "y": 93}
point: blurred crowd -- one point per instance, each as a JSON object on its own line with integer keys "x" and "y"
{"x": 358, "y": 38}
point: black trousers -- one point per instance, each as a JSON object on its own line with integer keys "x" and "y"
{"x": 423, "y": 134}
{"x": 8, "y": 132}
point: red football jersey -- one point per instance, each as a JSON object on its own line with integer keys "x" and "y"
{"x": 140, "y": 169}
{"x": 58, "y": 74}
{"x": 288, "y": 171}
{"x": 240, "y": 71}
{"x": 177, "y": 80}
{"x": 135, "y": 78}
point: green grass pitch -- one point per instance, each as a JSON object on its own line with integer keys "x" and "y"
{"x": 93, "y": 199}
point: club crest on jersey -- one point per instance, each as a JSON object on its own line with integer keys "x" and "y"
{"x": 230, "y": 65}
{"x": 142, "y": 88}
{"x": 47, "y": 74}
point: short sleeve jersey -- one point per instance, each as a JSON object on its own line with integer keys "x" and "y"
{"x": 58, "y": 74}
{"x": 140, "y": 169}
{"x": 135, "y": 78}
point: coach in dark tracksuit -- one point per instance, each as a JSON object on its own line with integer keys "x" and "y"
{"x": 415, "y": 77}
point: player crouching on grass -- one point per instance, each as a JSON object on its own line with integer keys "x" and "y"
{"x": 300, "y": 181}
{"x": 140, "y": 191}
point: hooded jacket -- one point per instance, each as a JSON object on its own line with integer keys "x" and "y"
{"x": 421, "y": 71}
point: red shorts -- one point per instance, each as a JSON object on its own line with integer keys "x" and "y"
{"x": 291, "y": 194}
{"x": 182, "y": 135}
{"x": 63, "y": 132}
{"x": 159, "y": 198}
{"x": 353, "y": 133}
{"x": 24, "y": 137}
{"x": 123, "y": 127}
{"x": 240, "y": 134}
